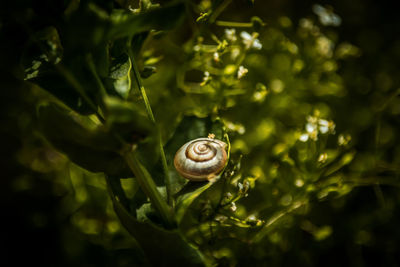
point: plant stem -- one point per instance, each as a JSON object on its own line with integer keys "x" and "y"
{"x": 148, "y": 186}
{"x": 142, "y": 176}
{"x": 267, "y": 226}
{"x": 92, "y": 67}
{"x": 168, "y": 181}
{"x": 233, "y": 24}
{"x": 219, "y": 10}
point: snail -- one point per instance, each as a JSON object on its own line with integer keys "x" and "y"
{"x": 201, "y": 159}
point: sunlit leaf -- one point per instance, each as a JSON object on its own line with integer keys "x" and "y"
{"x": 120, "y": 73}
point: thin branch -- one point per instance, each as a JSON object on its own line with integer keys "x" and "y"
{"x": 235, "y": 24}
{"x": 168, "y": 181}
{"x": 219, "y": 10}
{"x": 149, "y": 187}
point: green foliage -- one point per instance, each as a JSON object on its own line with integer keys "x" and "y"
{"x": 113, "y": 91}
{"x": 147, "y": 233}
{"x": 94, "y": 150}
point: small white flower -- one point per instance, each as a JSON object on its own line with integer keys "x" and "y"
{"x": 240, "y": 185}
{"x": 257, "y": 44}
{"x": 233, "y": 207}
{"x": 303, "y": 137}
{"x": 251, "y": 41}
{"x": 323, "y": 126}
{"x": 322, "y": 157}
{"x": 206, "y": 75}
{"x": 206, "y": 78}
{"x": 326, "y": 16}
{"x": 323, "y": 129}
{"x": 242, "y": 72}
{"x": 315, "y": 126}
{"x": 230, "y": 34}
{"x": 310, "y": 127}
{"x": 323, "y": 122}
{"x": 245, "y": 35}
{"x": 216, "y": 57}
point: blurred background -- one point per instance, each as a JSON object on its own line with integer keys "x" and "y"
{"x": 56, "y": 214}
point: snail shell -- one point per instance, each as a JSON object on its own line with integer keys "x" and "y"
{"x": 201, "y": 159}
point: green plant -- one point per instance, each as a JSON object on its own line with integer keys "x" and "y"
{"x": 270, "y": 95}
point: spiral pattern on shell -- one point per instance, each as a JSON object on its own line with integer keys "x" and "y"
{"x": 201, "y": 159}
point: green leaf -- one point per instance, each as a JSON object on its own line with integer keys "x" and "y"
{"x": 101, "y": 60}
{"x": 196, "y": 206}
{"x": 137, "y": 43}
{"x": 127, "y": 119}
{"x": 170, "y": 247}
{"x": 41, "y": 61}
{"x": 132, "y": 123}
{"x": 147, "y": 71}
{"x": 187, "y": 195}
{"x": 164, "y": 18}
{"x": 85, "y": 28}
{"x": 94, "y": 149}
{"x": 56, "y": 84}
{"x": 44, "y": 50}
{"x": 90, "y": 25}
{"x": 120, "y": 74}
